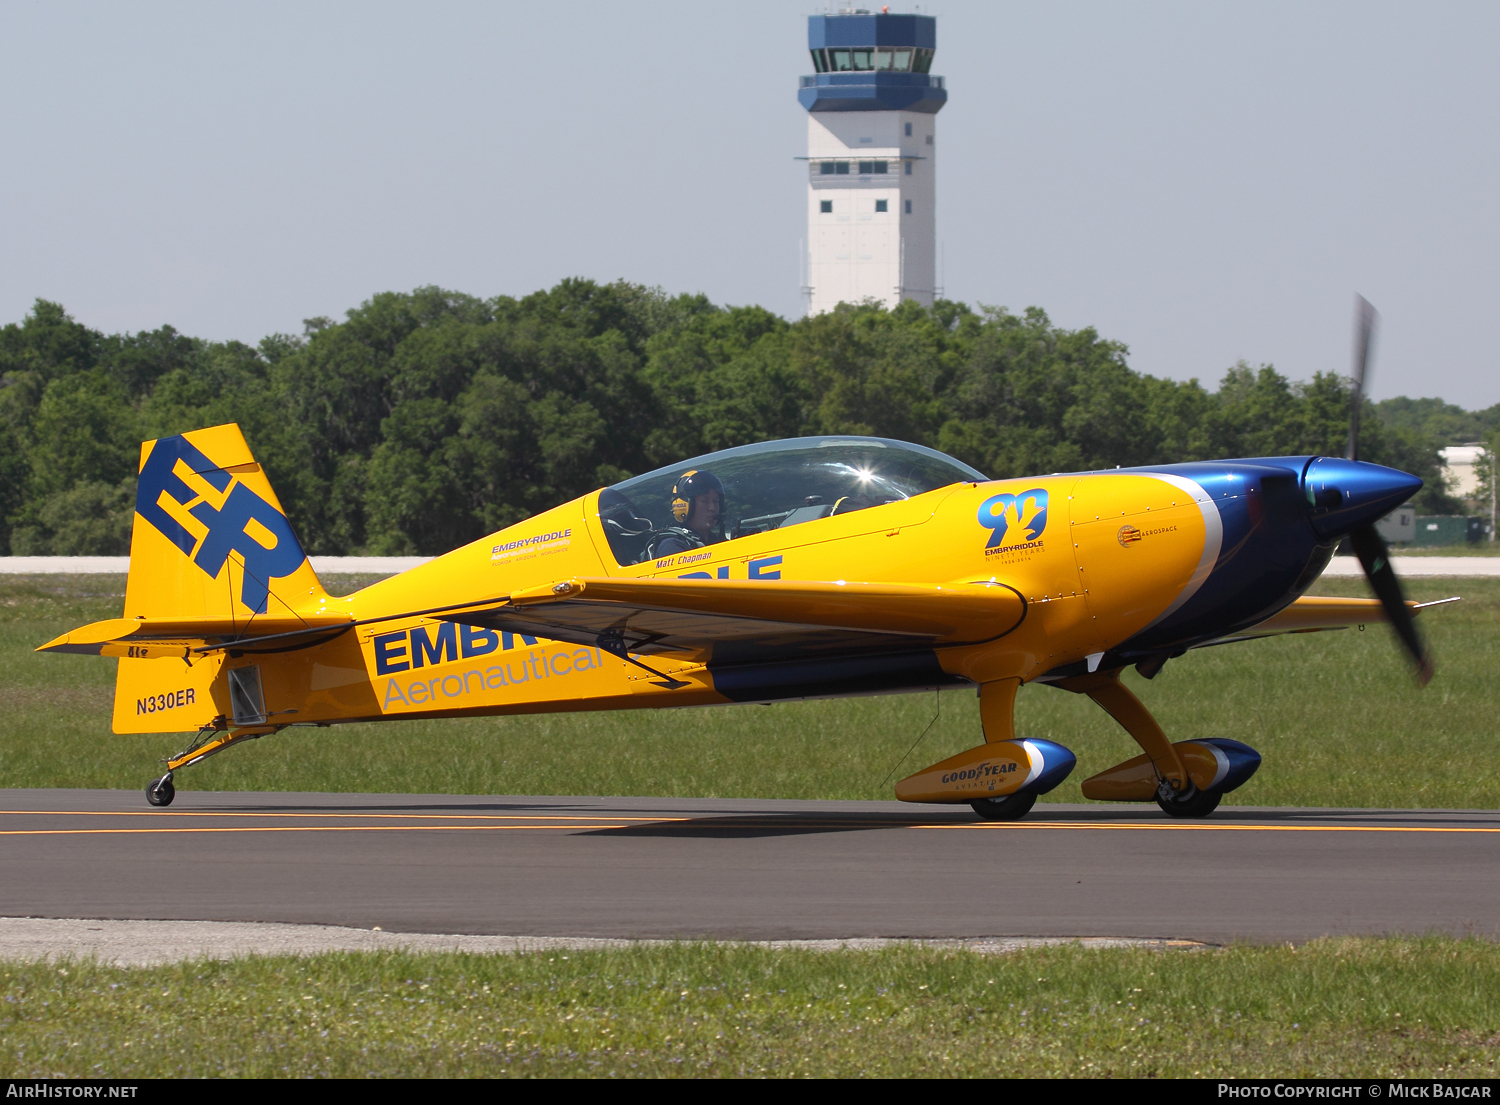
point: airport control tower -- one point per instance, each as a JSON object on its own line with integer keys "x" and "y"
{"x": 871, "y": 106}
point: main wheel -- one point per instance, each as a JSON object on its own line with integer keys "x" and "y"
{"x": 1012, "y": 807}
{"x": 1196, "y": 803}
{"x": 161, "y": 791}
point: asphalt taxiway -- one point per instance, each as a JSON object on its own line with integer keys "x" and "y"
{"x": 735, "y": 869}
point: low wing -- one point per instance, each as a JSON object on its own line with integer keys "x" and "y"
{"x": 1310, "y": 614}
{"x": 725, "y": 621}
{"x": 732, "y": 621}
{"x": 160, "y": 636}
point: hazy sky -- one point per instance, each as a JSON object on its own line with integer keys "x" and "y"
{"x": 1205, "y": 182}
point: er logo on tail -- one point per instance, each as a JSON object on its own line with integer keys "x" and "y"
{"x": 229, "y": 526}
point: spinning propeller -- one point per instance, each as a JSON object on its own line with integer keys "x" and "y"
{"x": 1369, "y": 546}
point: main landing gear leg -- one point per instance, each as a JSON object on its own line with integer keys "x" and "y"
{"x": 997, "y": 714}
{"x": 1001, "y": 778}
{"x": 997, "y": 710}
{"x": 1175, "y": 791}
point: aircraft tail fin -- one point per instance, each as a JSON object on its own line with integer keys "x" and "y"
{"x": 210, "y": 536}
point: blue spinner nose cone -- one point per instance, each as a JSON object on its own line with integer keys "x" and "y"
{"x": 1347, "y": 494}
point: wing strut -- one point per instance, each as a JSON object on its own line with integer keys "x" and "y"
{"x": 612, "y": 641}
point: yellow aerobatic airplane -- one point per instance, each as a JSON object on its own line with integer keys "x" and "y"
{"x": 812, "y": 567}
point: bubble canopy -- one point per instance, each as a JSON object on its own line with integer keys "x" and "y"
{"x": 776, "y": 484}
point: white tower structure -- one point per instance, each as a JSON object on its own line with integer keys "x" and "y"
{"x": 872, "y": 104}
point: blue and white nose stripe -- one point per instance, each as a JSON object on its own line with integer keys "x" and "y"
{"x": 1237, "y": 762}
{"x": 1050, "y": 765}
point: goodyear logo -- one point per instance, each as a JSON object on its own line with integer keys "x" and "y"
{"x": 1015, "y": 522}
{"x": 985, "y": 770}
{"x": 269, "y": 550}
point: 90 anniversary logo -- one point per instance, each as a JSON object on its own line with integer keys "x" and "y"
{"x": 1020, "y": 518}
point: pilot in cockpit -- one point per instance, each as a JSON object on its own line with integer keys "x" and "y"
{"x": 697, "y": 503}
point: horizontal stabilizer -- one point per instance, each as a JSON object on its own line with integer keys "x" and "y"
{"x": 1310, "y": 614}
{"x": 732, "y": 621}
{"x": 145, "y": 637}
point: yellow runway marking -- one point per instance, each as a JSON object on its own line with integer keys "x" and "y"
{"x": 306, "y": 829}
{"x": 368, "y": 816}
{"x": 586, "y": 823}
{"x": 1169, "y": 826}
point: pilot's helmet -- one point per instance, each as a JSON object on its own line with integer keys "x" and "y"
{"x": 691, "y": 483}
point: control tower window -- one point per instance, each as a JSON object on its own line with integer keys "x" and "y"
{"x": 868, "y": 167}
{"x": 841, "y": 167}
{"x": 892, "y": 59}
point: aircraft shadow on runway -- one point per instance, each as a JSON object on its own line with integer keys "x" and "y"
{"x": 762, "y": 825}
{"x": 689, "y": 822}
{"x": 789, "y": 824}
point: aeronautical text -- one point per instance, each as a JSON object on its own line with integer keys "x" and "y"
{"x": 506, "y": 663}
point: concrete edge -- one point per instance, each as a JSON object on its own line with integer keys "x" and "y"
{"x": 138, "y": 943}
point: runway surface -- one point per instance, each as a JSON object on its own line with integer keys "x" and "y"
{"x": 656, "y": 868}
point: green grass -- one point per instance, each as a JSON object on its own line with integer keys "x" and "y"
{"x": 1352, "y": 1008}
{"x": 1336, "y": 715}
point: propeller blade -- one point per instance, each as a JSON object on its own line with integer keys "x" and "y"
{"x": 1364, "y": 338}
{"x": 1375, "y": 558}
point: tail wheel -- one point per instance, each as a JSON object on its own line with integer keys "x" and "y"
{"x": 1195, "y": 803}
{"x": 161, "y": 791}
{"x": 1012, "y": 807}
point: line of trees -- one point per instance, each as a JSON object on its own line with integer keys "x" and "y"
{"x": 427, "y": 419}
